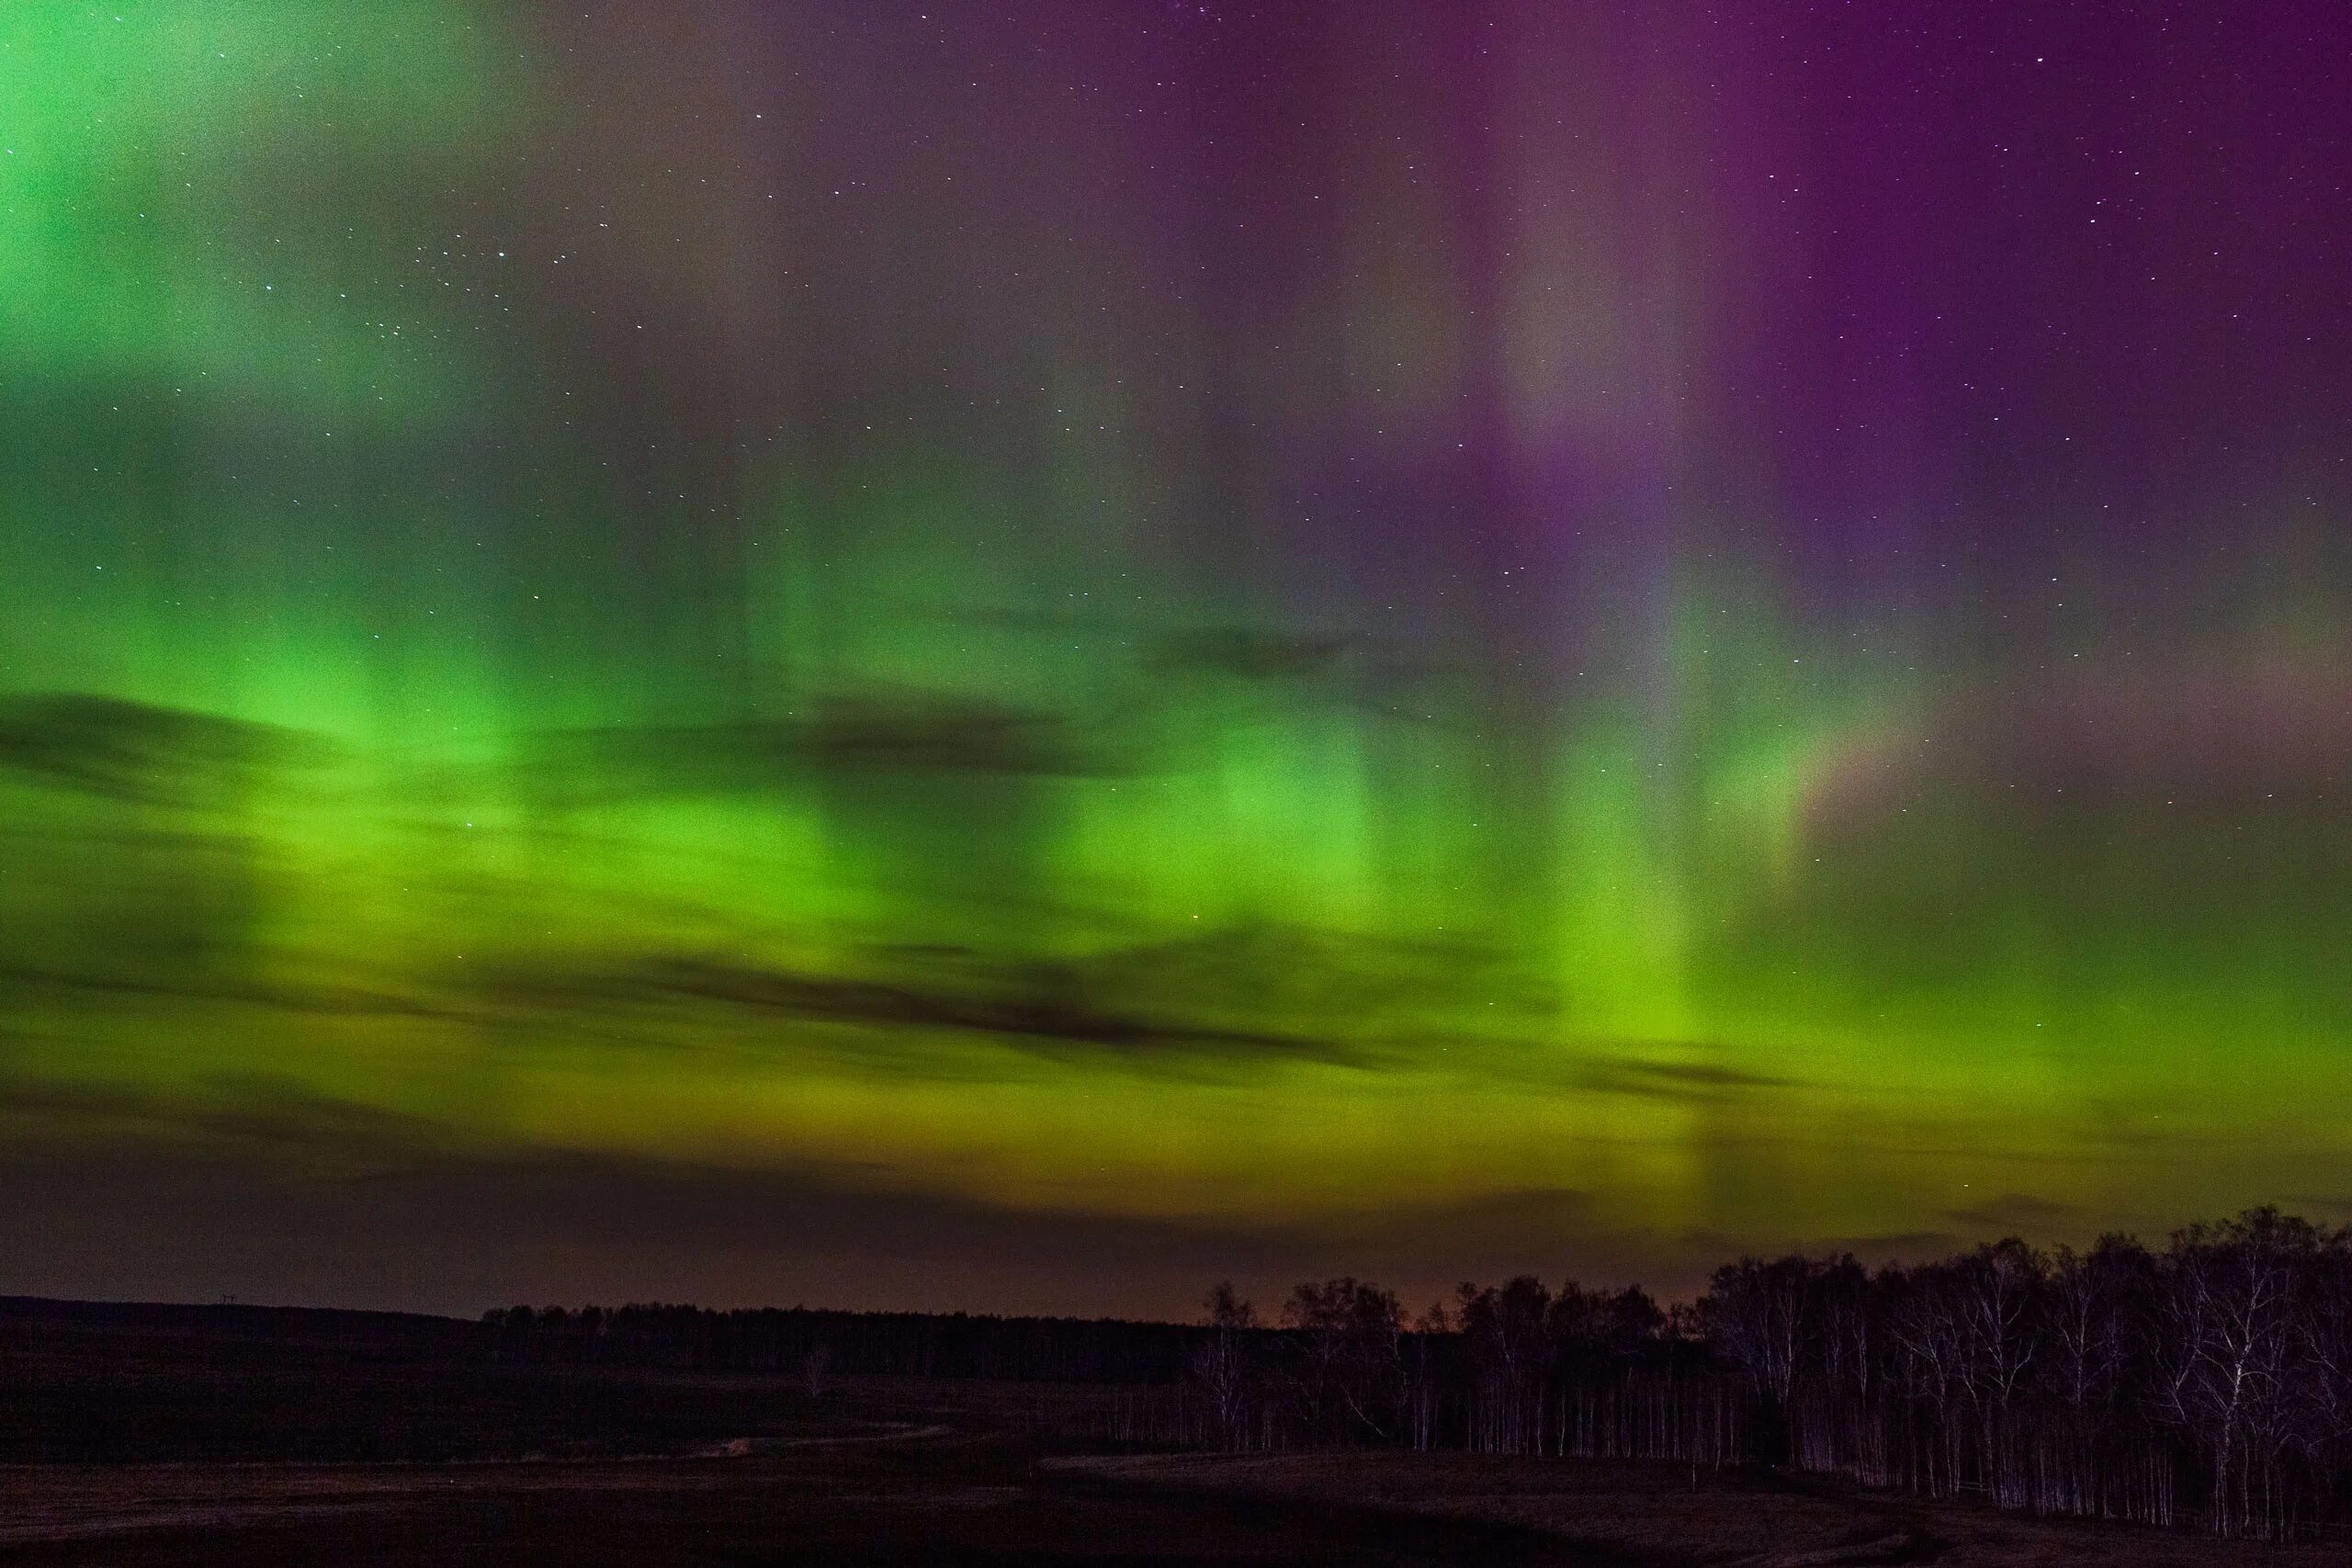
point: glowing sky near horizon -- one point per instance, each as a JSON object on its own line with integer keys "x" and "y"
{"x": 1417, "y": 638}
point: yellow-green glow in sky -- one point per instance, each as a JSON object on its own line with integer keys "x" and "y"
{"x": 895, "y": 658}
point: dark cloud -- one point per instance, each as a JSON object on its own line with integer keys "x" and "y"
{"x": 1318, "y": 979}
{"x": 2019, "y": 1213}
{"x": 19, "y": 983}
{"x": 269, "y": 1109}
{"x": 137, "y": 751}
{"x": 269, "y": 1190}
{"x": 1376, "y": 677}
{"x": 933, "y": 732}
{"x": 239, "y": 1112}
{"x": 273, "y": 1190}
{"x": 1038, "y": 1010}
{"x": 1211, "y": 1001}
{"x": 1246, "y": 654}
{"x": 63, "y": 1103}
{"x": 417, "y": 1223}
{"x": 877, "y": 733}
{"x": 1687, "y": 1081}
{"x": 1348, "y": 669}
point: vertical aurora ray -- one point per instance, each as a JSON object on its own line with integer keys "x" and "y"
{"x": 1367, "y": 633}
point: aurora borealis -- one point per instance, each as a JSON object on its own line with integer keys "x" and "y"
{"x": 914, "y": 654}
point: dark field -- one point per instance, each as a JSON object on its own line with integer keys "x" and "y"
{"x": 931, "y": 1500}
{"x": 228, "y": 1436}
{"x": 137, "y": 1437}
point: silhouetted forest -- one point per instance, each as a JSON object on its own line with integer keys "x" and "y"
{"x": 2207, "y": 1384}
{"x": 819, "y": 1344}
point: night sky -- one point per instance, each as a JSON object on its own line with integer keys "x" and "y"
{"x": 1019, "y": 655}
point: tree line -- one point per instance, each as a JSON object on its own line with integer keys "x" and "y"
{"x": 2208, "y": 1383}
{"x": 818, "y": 1344}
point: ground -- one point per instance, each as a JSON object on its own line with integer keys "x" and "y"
{"x": 132, "y": 1444}
{"x": 1671, "y": 1516}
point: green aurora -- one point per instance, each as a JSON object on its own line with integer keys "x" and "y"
{"x": 674, "y": 597}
